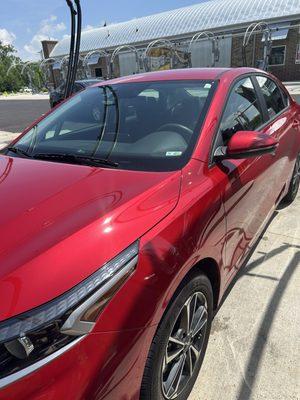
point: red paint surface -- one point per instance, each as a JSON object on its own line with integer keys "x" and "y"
{"x": 59, "y": 223}
{"x": 246, "y": 141}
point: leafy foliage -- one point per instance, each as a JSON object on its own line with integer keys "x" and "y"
{"x": 12, "y": 79}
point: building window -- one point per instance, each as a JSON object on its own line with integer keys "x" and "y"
{"x": 98, "y": 72}
{"x": 277, "y": 56}
{"x": 297, "y": 59}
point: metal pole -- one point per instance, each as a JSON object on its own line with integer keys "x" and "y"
{"x": 77, "y": 47}
{"x": 72, "y": 45}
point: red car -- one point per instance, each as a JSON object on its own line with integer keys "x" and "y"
{"x": 126, "y": 213}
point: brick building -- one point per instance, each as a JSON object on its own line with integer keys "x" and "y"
{"x": 284, "y": 58}
{"x": 225, "y": 20}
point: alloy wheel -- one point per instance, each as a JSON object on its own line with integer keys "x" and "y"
{"x": 184, "y": 346}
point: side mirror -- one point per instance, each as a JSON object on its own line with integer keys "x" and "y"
{"x": 245, "y": 144}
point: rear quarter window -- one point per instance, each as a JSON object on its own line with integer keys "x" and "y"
{"x": 272, "y": 95}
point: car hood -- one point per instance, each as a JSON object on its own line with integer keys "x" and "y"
{"x": 59, "y": 223}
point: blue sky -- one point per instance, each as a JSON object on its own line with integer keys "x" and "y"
{"x": 24, "y": 23}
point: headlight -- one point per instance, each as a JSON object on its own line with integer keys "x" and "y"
{"x": 50, "y": 329}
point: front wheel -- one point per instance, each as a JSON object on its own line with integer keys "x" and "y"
{"x": 179, "y": 345}
{"x": 295, "y": 183}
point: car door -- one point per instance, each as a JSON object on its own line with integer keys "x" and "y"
{"x": 248, "y": 196}
{"x": 283, "y": 125}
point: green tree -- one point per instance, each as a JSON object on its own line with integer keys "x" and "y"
{"x": 12, "y": 81}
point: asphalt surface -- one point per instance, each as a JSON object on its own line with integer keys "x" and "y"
{"x": 16, "y": 115}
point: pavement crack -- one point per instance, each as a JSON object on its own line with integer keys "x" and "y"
{"x": 287, "y": 236}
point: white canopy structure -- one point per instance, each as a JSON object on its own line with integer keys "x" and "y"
{"x": 179, "y": 23}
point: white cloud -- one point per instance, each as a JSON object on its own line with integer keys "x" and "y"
{"x": 7, "y": 37}
{"x": 48, "y": 30}
{"x": 89, "y": 27}
{"x": 50, "y": 26}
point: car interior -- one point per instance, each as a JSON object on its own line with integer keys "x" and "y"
{"x": 157, "y": 121}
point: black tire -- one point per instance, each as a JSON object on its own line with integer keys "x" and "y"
{"x": 294, "y": 184}
{"x": 196, "y": 289}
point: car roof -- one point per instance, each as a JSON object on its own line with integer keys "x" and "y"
{"x": 88, "y": 81}
{"x": 183, "y": 74}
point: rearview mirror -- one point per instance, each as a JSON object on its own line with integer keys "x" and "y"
{"x": 245, "y": 144}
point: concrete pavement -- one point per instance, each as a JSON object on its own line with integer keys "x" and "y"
{"x": 294, "y": 90}
{"x": 6, "y": 138}
{"x": 25, "y": 96}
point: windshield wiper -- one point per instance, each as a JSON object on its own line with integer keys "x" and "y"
{"x": 18, "y": 151}
{"x": 94, "y": 161}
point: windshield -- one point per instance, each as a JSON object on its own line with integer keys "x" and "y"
{"x": 150, "y": 126}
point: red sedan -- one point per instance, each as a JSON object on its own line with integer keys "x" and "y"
{"x": 126, "y": 213}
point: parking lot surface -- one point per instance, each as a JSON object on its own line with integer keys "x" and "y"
{"x": 16, "y": 115}
{"x": 254, "y": 349}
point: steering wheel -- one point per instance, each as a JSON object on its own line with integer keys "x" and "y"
{"x": 184, "y": 131}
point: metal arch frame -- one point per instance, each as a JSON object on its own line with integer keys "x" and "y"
{"x": 214, "y": 42}
{"x": 26, "y": 67}
{"x": 47, "y": 60}
{"x": 39, "y": 72}
{"x": 80, "y": 60}
{"x": 182, "y": 60}
{"x": 153, "y": 44}
{"x": 13, "y": 65}
{"x": 102, "y": 53}
{"x": 117, "y": 51}
{"x": 64, "y": 67}
{"x": 63, "y": 64}
{"x": 266, "y": 30}
{"x": 51, "y": 61}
